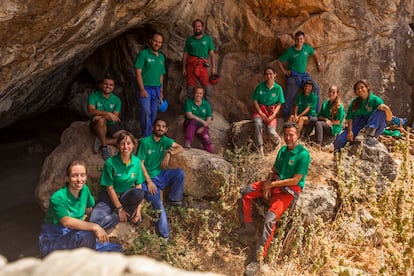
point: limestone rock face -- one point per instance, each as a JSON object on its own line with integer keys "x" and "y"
{"x": 47, "y": 45}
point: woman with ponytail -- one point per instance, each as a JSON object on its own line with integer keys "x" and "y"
{"x": 367, "y": 117}
{"x": 330, "y": 118}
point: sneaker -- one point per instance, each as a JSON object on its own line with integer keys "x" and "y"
{"x": 362, "y": 135}
{"x": 97, "y": 145}
{"x": 246, "y": 229}
{"x": 179, "y": 203}
{"x": 105, "y": 152}
{"x": 187, "y": 146}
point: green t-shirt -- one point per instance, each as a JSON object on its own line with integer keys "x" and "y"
{"x": 64, "y": 204}
{"x": 302, "y": 102}
{"x": 368, "y": 106}
{"x": 113, "y": 103}
{"x": 203, "y": 111}
{"x": 152, "y": 152}
{"x": 340, "y": 115}
{"x": 199, "y": 47}
{"x": 263, "y": 95}
{"x": 122, "y": 177}
{"x": 153, "y": 66}
{"x": 291, "y": 162}
{"x": 297, "y": 60}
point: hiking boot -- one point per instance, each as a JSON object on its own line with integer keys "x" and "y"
{"x": 105, "y": 152}
{"x": 247, "y": 229}
{"x": 364, "y": 133}
{"x": 97, "y": 145}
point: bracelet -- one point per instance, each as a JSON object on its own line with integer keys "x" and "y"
{"x": 119, "y": 208}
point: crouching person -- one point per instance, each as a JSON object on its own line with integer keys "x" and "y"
{"x": 65, "y": 226}
{"x": 282, "y": 186}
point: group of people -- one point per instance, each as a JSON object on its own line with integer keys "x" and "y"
{"x": 73, "y": 220}
{"x": 300, "y": 105}
{"x": 137, "y": 172}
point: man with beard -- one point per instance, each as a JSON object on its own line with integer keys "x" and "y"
{"x": 198, "y": 50}
{"x": 281, "y": 187}
{"x": 155, "y": 152}
{"x": 104, "y": 108}
{"x": 150, "y": 70}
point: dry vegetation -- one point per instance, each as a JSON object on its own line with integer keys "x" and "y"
{"x": 201, "y": 235}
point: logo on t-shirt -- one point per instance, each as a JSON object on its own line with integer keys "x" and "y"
{"x": 291, "y": 162}
{"x": 111, "y": 106}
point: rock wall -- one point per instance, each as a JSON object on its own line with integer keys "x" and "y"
{"x": 47, "y": 44}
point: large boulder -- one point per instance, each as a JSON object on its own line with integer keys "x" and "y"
{"x": 242, "y": 134}
{"x": 218, "y": 129}
{"x": 76, "y": 143}
{"x": 84, "y": 261}
{"x": 205, "y": 172}
{"x": 369, "y": 165}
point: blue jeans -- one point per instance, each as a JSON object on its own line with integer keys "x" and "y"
{"x": 293, "y": 83}
{"x": 375, "y": 120}
{"x": 104, "y": 212}
{"x": 149, "y": 107}
{"x": 174, "y": 178}
{"x": 57, "y": 237}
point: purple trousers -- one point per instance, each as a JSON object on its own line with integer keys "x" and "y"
{"x": 191, "y": 126}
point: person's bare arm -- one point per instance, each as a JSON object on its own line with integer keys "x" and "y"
{"x": 293, "y": 181}
{"x": 109, "y": 116}
{"x": 77, "y": 224}
{"x": 318, "y": 62}
{"x": 142, "y": 91}
{"x": 152, "y": 188}
{"x": 118, "y": 206}
{"x": 213, "y": 61}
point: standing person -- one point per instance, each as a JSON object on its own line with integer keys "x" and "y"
{"x": 121, "y": 195}
{"x": 155, "y": 152}
{"x": 198, "y": 116}
{"x": 150, "y": 71}
{"x": 296, "y": 75}
{"x": 304, "y": 112}
{"x": 104, "y": 108}
{"x": 267, "y": 100}
{"x": 330, "y": 118}
{"x": 367, "y": 117}
{"x": 282, "y": 186}
{"x": 65, "y": 226}
{"x": 198, "y": 50}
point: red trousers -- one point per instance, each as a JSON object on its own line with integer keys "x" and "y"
{"x": 196, "y": 70}
{"x": 279, "y": 202}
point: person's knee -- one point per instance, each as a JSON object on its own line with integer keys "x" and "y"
{"x": 246, "y": 189}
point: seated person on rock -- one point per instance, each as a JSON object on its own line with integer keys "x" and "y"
{"x": 104, "y": 108}
{"x": 304, "y": 112}
{"x": 155, "y": 152}
{"x": 367, "y": 117}
{"x": 267, "y": 101}
{"x": 121, "y": 195}
{"x": 282, "y": 187}
{"x": 65, "y": 226}
{"x": 330, "y": 118}
{"x": 198, "y": 116}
